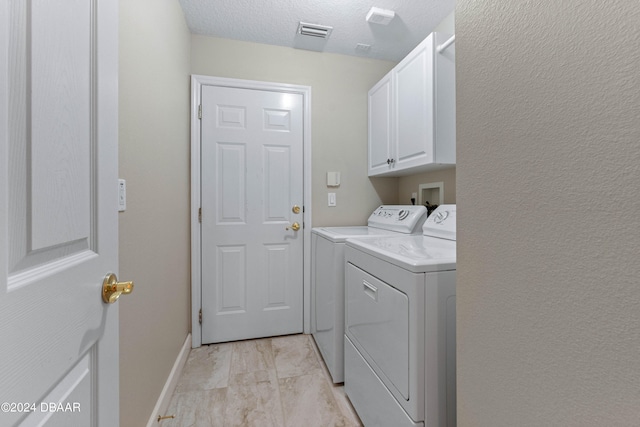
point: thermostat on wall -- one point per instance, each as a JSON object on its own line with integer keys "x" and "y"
{"x": 333, "y": 179}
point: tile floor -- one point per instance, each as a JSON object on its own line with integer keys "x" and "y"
{"x": 279, "y": 382}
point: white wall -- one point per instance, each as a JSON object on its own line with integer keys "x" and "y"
{"x": 339, "y": 86}
{"x": 548, "y": 195}
{"x": 154, "y": 230}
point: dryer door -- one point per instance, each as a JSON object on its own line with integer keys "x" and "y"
{"x": 377, "y": 322}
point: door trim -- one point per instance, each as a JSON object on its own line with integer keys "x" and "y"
{"x": 197, "y": 81}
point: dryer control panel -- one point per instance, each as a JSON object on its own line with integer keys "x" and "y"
{"x": 441, "y": 223}
{"x": 406, "y": 219}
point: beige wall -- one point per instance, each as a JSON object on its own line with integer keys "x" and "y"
{"x": 548, "y": 175}
{"x": 157, "y": 55}
{"x": 155, "y": 48}
{"x": 339, "y": 86}
{"x": 448, "y": 24}
{"x": 154, "y": 230}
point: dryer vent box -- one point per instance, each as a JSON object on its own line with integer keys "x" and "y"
{"x": 380, "y": 16}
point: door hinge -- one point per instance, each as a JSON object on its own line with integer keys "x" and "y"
{"x": 200, "y": 215}
{"x": 200, "y": 316}
{"x": 200, "y": 111}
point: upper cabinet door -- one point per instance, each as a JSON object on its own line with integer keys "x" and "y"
{"x": 413, "y": 84}
{"x": 380, "y": 131}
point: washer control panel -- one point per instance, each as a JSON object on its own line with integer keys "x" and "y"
{"x": 406, "y": 219}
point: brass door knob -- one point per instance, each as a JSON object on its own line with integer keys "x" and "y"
{"x": 295, "y": 209}
{"x": 112, "y": 289}
{"x": 295, "y": 226}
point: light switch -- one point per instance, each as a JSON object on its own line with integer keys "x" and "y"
{"x": 332, "y": 199}
{"x": 122, "y": 195}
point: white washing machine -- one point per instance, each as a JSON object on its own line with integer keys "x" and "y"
{"x": 400, "y": 326}
{"x": 327, "y": 274}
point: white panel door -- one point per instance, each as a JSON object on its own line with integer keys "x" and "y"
{"x": 58, "y": 215}
{"x": 251, "y": 179}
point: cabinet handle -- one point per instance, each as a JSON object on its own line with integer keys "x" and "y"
{"x": 390, "y": 161}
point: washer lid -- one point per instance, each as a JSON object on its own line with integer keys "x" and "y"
{"x": 340, "y": 234}
{"x": 418, "y": 254}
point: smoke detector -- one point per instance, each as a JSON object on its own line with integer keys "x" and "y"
{"x": 314, "y": 30}
{"x": 380, "y": 16}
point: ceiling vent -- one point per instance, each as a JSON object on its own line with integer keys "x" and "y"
{"x": 314, "y": 30}
{"x": 380, "y": 16}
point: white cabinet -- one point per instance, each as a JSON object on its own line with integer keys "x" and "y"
{"x": 412, "y": 113}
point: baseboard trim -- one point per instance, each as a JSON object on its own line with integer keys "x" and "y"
{"x": 170, "y": 386}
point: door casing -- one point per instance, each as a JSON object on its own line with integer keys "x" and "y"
{"x": 197, "y": 81}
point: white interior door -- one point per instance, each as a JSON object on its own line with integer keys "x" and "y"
{"x": 251, "y": 181}
{"x": 58, "y": 215}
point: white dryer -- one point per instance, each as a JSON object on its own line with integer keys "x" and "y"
{"x": 327, "y": 274}
{"x": 400, "y": 326}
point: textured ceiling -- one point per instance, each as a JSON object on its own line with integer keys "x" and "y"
{"x": 275, "y": 22}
